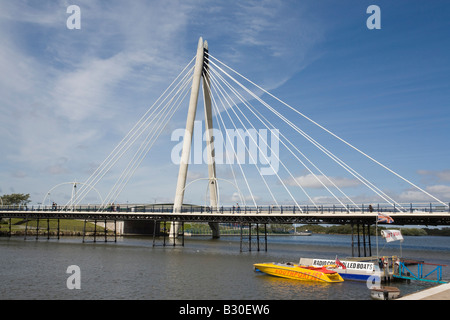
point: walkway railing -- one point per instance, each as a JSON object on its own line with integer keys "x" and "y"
{"x": 404, "y": 272}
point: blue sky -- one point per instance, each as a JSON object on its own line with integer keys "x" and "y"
{"x": 67, "y": 97}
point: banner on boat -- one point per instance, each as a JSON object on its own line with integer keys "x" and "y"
{"x": 392, "y": 235}
{"x": 354, "y": 265}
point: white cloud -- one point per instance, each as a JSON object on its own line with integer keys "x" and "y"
{"x": 318, "y": 181}
{"x": 443, "y": 175}
{"x": 68, "y": 96}
{"x": 441, "y": 192}
{"x": 86, "y": 92}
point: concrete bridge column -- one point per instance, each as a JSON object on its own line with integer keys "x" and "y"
{"x": 202, "y": 49}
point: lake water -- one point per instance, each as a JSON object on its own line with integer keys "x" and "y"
{"x": 203, "y": 269}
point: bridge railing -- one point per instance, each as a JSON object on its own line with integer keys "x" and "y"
{"x": 288, "y": 209}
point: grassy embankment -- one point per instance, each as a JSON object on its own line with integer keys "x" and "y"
{"x": 66, "y": 227}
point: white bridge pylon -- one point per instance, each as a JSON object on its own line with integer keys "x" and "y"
{"x": 200, "y": 65}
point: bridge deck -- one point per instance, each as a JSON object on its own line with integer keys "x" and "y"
{"x": 415, "y": 217}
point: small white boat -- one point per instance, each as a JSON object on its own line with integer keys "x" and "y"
{"x": 303, "y": 233}
{"x": 384, "y": 293}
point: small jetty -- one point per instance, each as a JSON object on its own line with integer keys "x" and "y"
{"x": 394, "y": 267}
{"x": 387, "y": 268}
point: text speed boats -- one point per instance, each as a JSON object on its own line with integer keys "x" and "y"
{"x": 298, "y": 272}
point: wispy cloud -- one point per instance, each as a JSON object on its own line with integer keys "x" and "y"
{"x": 320, "y": 181}
{"x": 67, "y": 97}
{"x": 414, "y": 195}
{"x": 442, "y": 176}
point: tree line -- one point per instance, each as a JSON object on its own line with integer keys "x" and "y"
{"x": 15, "y": 199}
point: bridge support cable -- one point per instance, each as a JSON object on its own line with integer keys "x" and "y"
{"x": 161, "y": 121}
{"x": 266, "y": 124}
{"x": 319, "y": 146}
{"x": 324, "y": 129}
{"x": 232, "y": 106}
{"x": 270, "y": 126}
{"x": 315, "y": 143}
{"x": 235, "y": 155}
{"x": 250, "y": 107}
{"x": 157, "y": 123}
{"x": 228, "y": 159}
{"x": 329, "y": 154}
{"x": 166, "y": 98}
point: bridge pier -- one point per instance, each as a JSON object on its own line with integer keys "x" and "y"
{"x": 215, "y": 229}
{"x": 100, "y": 233}
{"x": 247, "y": 242}
{"x": 361, "y": 244}
{"x": 170, "y": 236}
{"x": 38, "y": 229}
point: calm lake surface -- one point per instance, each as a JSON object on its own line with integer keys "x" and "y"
{"x": 203, "y": 269}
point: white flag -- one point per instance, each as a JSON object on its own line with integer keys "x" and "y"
{"x": 392, "y": 235}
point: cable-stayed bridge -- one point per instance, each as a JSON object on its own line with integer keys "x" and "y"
{"x": 273, "y": 170}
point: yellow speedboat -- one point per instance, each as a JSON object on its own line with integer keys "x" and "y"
{"x": 294, "y": 271}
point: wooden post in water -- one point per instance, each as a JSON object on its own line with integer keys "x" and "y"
{"x": 26, "y": 226}
{"x": 106, "y": 230}
{"x": 84, "y": 229}
{"x": 154, "y": 232}
{"x": 95, "y": 230}
{"x": 37, "y": 229}
{"x": 115, "y": 230}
